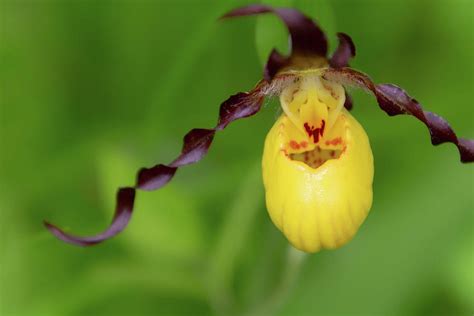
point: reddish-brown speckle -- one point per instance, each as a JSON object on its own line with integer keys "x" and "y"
{"x": 315, "y": 132}
{"x": 333, "y": 93}
{"x": 309, "y": 130}
{"x": 335, "y": 141}
{"x": 294, "y": 145}
{"x": 304, "y": 144}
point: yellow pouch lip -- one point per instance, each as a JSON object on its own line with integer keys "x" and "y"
{"x": 303, "y": 201}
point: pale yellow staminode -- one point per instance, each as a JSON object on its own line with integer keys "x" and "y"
{"x": 318, "y": 183}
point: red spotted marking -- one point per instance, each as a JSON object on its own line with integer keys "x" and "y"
{"x": 334, "y": 142}
{"x": 304, "y": 144}
{"x": 331, "y": 91}
{"x": 294, "y": 145}
{"x": 315, "y": 133}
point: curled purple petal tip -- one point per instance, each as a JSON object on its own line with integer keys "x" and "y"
{"x": 123, "y": 213}
{"x": 344, "y": 53}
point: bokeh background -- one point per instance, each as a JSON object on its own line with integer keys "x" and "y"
{"x": 93, "y": 90}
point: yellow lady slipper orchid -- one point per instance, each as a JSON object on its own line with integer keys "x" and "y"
{"x": 317, "y": 161}
{"x": 318, "y": 181}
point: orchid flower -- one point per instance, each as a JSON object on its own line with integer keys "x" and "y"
{"x": 317, "y": 161}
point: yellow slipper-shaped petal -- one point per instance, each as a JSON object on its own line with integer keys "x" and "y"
{"x": 318, "y": 188}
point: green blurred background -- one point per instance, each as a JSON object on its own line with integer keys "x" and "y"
{"x": 93, "y": 90}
